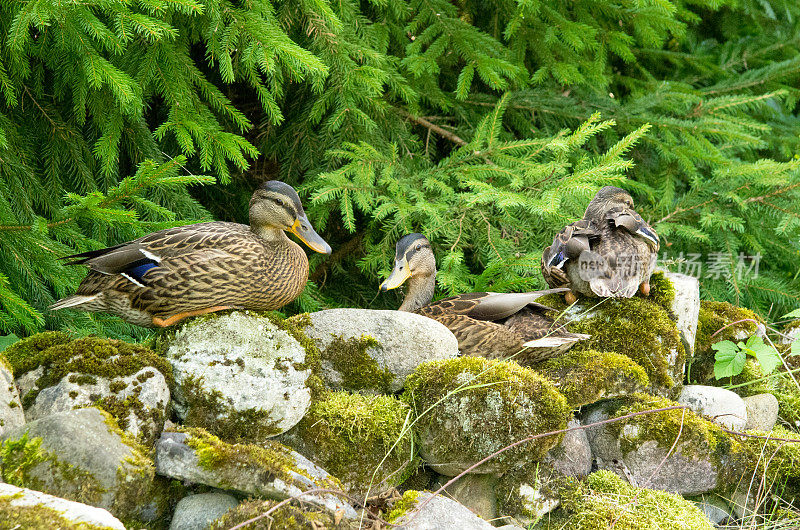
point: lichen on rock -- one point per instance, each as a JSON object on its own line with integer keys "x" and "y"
{"x": 587, "y": 376}
{"x": 470, "y": 407}
{"x": 127, "y": 380}
{"x": 365, "y": 441}
{"x": 604, "y": 499}
{"x": 242, "y": 375}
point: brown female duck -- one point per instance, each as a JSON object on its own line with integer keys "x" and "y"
{"x": 611, "y": 252}
{"x": 166, "y": 276}
{"x": 492, "y": 325}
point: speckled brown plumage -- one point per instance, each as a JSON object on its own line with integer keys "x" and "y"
{"x": 613, "y": 238}
{"x": 492, "y": 325}
{"x": 196, "y": 268}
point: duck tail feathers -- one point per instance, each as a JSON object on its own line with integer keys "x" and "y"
{"x": 73, "y": 301}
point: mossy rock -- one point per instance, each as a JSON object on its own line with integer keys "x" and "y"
{"x": 241, "y": 375}
{"x": 639, "y": 328}
{"x": 705, "y": 458}
{"x": 587, "y": 376}
{"x": 365, "y": 441}
{"x": 713, "y": 318}
{"x": 83, "y": 455}
{"x": 286, "y": 517}
{"x": 373, "y": 351}
{"x": 24, "y": 508}
{"x": 775, "y": 459}
{"x": 267, "y": 470}
{"x": 471, "y": 407}
{"x": 90, "y": 371}
{"x": 529, "y": 493}
{"x": 604, "y": 499}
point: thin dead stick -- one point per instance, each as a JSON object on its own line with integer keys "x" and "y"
{"x": 768, "y": 438}
{"x": 444, "y": 133}
{"x": 733, "y": 323}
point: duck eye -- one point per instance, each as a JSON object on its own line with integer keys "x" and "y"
{"x": 278, "y": 202}
{"x": 419, "y": 247}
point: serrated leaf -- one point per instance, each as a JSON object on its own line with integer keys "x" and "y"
{"x": 729, "y": 359}
{"x": 793, "y": 314}
{"x": 767, "y": 356}
{"x": 795, "y": 349}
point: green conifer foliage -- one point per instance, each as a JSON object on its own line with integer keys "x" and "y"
{"x": 486, "y": 125}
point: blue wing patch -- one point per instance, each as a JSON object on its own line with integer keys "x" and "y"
{"x": 140, "y": 270}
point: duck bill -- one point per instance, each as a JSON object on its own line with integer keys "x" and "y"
{"x": 398, "y": 276}
{"x": 303, "y": 230}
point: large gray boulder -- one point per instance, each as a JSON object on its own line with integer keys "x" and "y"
{"x": 269, "y": 470}
{"x": 440, "y": 513}
{"x": 147, "y": 388}
{"x": 686, "y": 306}
{"x": 197, "y": 512}
{"x": 639, "y": 449}
{"x": 762, "y": 412}
{"x": 718, "y": 404}
{"x": 81, "y": 455}
{"x": 374, "y": 350}
{"x": 11, "y": 414}
{"x": 238, "y": 375}
{"x": 573, "y": 456}
{"x": 476, "y": 492}
{"x": 20, "y": 507}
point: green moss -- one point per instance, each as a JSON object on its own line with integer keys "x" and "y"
{"x": 287, "y": 517}
{"x": 22, "y": 460}
{"x": 403, "y": 506}
{"x": 230, "y": 460}
{"x": 662, "y": 292}
{"x": 777, "y": 460}
{"x": 208, "y": 409}
{"x": 605, "y": 500}
{"x": 698, "y": 437}
{"x": 87, "y": 359}
{"x": 635, "y": 327}
{"x": 587, "y": 376}
{"x": 470, "y": 407}
{"x": 713, "y": 317}
{"x": 359, "y": 439}
{"x": 358, "y": 370}
{"x": 27, "y": 354}
{"x": 37, "y": 516}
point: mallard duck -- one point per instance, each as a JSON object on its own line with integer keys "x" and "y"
{"x": 164, "y": 277}
{"x": 492, "y": 325}
{"x": 611, "y": 252}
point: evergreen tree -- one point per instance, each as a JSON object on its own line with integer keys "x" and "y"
{"x": 485, "y": 125}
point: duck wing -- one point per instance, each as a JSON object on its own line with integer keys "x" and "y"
{"x": 488, "y": 306}
{"x": 135, "y": 258}
{"x": 568, "y": 244}
{"x": 632, "y": 222}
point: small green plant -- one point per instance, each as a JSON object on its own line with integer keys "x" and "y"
{"x": 730, "y": 357}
